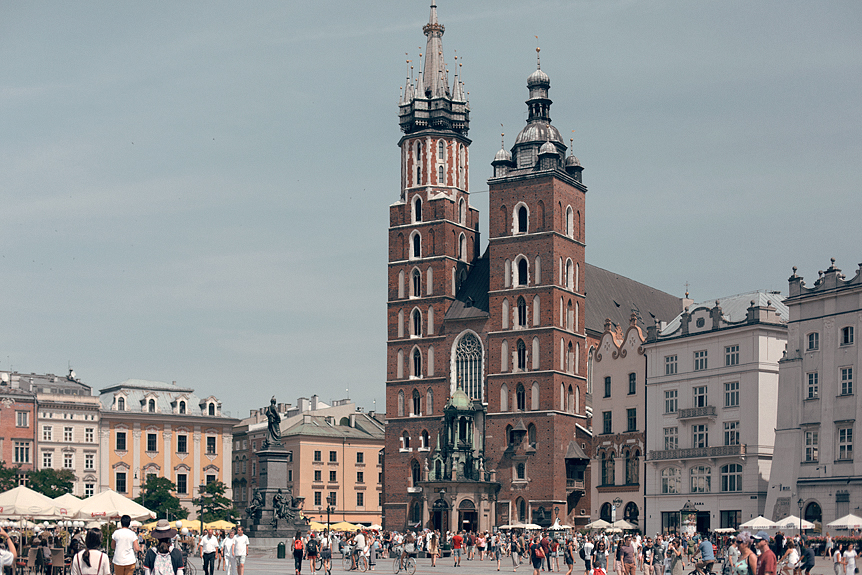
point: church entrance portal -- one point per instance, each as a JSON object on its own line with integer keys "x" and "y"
{"x": 440, "y": 516}
{"x": 468, "y": 519}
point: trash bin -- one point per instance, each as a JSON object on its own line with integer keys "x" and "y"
{"x": 282, "y": 550}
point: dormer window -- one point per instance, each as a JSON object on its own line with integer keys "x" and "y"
{"x": 151, "y": 406}
{"x": 211, "y": 409}
{"x": 182, "y": 408}
{"x": 121, "y": 404}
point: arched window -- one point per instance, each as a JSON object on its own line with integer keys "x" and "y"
{"x": 182, "y": 409}
{"x": 522, "y": 272}
{"x": 569, "y": 222}
{"x": 462, "y": 212}
{"x": 400, "y": 323}
{"x": 562, "y": 355}
{"x": 416, "y": 323}
{"x": 417, "y": 245}
{"x": 578, "y": 226}
{"x": 570, "y": 273}
{"x": 577, "y": 400}
{"x": 535, "y": 354}
{"x": 570, "y": 401}
{"x": 577, "y": 276}
{"x": 631, "y": 512}
{"x": 731, "y": 477}
{"x": 462, "y": 248}
{"x": 417, "y": 400}
{"x": 522, "y": 355}
{"x": 632, "y": 467}
{"x": 212, "y": 410}
{"x": 813, "y": 513}
{"x": 577, "y": 325}
{"x": 522, "y": 219}
{"x": 520, "y": 398}
{"x": 536, "y": 316}
{"x": 429, "y": 275}
{"x": 522, "y": 509}
{"x": 535, "y": 397}
{"x": 441, "y": 151}
{"x": 401, "y": 284}
{"x": 429, "y": 397}
{"x": 417, "y": 363}
{"x": 425, "y": 440}
{"x": 521, "y": 471}
{"x": 700, "y": 479}
{"x": 571, "y": 360}
{"x": 440, "y": 174}
{"x": 577, "y": 358}
{"x": 418, "y": 163}
{"x": 570, "y": 316}
{"x": 504, "y": 356}
{"x": 504, "y": 397}
{"x": 121, "y": 404}
{"x": 522, "y": 311}
{"x": 417, "y": 284}
{"x": 468, "y": 364}
{"x": 507, "y": 273}
{"x": 415, "y": 472}
{"x": 400, "y": 404}
{"x": 431, "y": 320}
{"x": 505, "y": 310}
{"x": 399, "y": 365}
{"x": 562, "y": 397}
{"x": 603, "y": 467}
{"x": 151, "y": 406}
{"x": 417, "y": 209}
{"x": 605, "y": 513}
{"x": 405, "y": 440}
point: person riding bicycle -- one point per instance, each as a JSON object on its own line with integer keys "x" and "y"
{"x": 358, "y": 548}
{"x": 408, "y": 548}
{"x": 707, "y": 557}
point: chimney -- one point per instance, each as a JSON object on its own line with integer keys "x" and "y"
{"x": 352, "y": 420}
{"x": 314, "y": 401}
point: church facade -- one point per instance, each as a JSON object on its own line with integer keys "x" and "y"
{"x": 486, "y": 353}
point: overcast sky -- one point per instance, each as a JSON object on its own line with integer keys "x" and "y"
{"x": 199, "y": 191}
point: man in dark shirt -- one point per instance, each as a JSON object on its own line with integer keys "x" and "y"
{"x": 628, "y": 556}
{"x": 546, "y": 548}
{"x": 807, "y": 558}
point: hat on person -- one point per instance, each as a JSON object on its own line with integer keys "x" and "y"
{"x": 761, "y": 536}
{"x": 163, "y": 530}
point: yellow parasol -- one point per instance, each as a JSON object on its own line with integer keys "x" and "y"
{"x": 220, "y": 524}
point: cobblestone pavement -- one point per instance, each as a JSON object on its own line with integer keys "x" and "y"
{"x": 266, "y": 564}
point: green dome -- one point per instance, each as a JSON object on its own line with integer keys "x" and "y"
{"x": 459, "y": 400}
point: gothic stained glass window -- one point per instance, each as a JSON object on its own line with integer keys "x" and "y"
{"x": 468, "y": 363}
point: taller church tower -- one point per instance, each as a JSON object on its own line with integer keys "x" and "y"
{"x": 433, "y": 245}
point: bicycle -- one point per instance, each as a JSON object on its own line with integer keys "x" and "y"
{"x": 407, "y": 564}
{"x": 361, "y": 562}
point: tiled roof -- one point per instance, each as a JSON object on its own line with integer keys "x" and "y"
{"x": 318, "y": 426}
{"x": 139, "y": 391}
{"x": 610, "y": 295}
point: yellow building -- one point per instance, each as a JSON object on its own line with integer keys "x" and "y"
{"x": 156, "y": 428}
{"x": 341, "y": 459}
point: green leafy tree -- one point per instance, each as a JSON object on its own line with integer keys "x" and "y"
{"x": 52, "y": 482}
{"x": 215, "y": 505}
{"x": 8, "y": 476}
{"x": 157, "y": 494}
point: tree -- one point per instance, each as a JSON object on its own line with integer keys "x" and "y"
{"x": 157, "y": 494}
{"x": 215, "y": 505}
{"x": 52, "y": 482}
{"x": 8, "y": 476}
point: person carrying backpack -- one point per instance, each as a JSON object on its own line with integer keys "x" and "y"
{"x": 298, "y": 553}
{"x": 311, "y": 549}
{"x": 162, "y": 559}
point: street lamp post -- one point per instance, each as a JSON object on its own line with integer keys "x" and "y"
{"x": 800, "y": 502}
{"x": 201, "y": 489}
{"x": 329, "y": 510}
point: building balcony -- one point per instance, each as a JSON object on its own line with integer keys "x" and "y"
{"x": 698, "y": 452}
{"x": 695, "y": 412}
{"x": 575, "y": 485}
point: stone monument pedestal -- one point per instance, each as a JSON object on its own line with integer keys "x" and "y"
{"x": 264, "y": 524}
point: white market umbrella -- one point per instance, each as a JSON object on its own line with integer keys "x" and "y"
{"x": 598, "y": 524}
{"x": 558, "y": 527}
{"x": 725, "y": 530}
{"x": 849, "y": 521}
{"x": 793, "y": 522}
{"x": 759, "y": 523}
{"x": 24, "y": 502}
{"x": 531, "y": 527}
{"x": 67, "y": 505}
{"x": 111, "y": 505}
{"x": 623, "y": 524}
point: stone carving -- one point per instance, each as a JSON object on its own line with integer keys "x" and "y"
{"x": 256, "y": 505}
{"x": 273, "y": 429}
{"x": 286, "y": 506}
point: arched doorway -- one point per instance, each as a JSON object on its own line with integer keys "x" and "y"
{"x": 813, "y": 513}
{"x": 468, "y": 519}
{"x": 605, "y": 512}
{"x": 631, "y": 513}
{"x": 440, "y": 515}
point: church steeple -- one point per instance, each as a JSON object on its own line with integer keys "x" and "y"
{"x": 450, "y": 111}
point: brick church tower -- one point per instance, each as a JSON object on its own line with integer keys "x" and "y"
{"x": 485, "y": 386}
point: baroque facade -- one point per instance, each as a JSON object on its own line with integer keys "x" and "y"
{"x": 712, "y": 399}
{"x": 486, "y": 352}
{"x": 818, "y": 403}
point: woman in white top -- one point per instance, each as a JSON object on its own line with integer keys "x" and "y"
{"x": 91, "y": 561}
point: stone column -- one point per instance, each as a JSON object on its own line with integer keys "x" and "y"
{"x": 168, "y": 448}
{"x": 198, "y": 472}
{"x": 104, "y": 456}
{"x": 227, "y": 460}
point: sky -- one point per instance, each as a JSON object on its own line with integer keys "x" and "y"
{"x": 198, "y": 192}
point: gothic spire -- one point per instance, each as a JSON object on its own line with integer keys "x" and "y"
{"x": 435, "y": 77}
